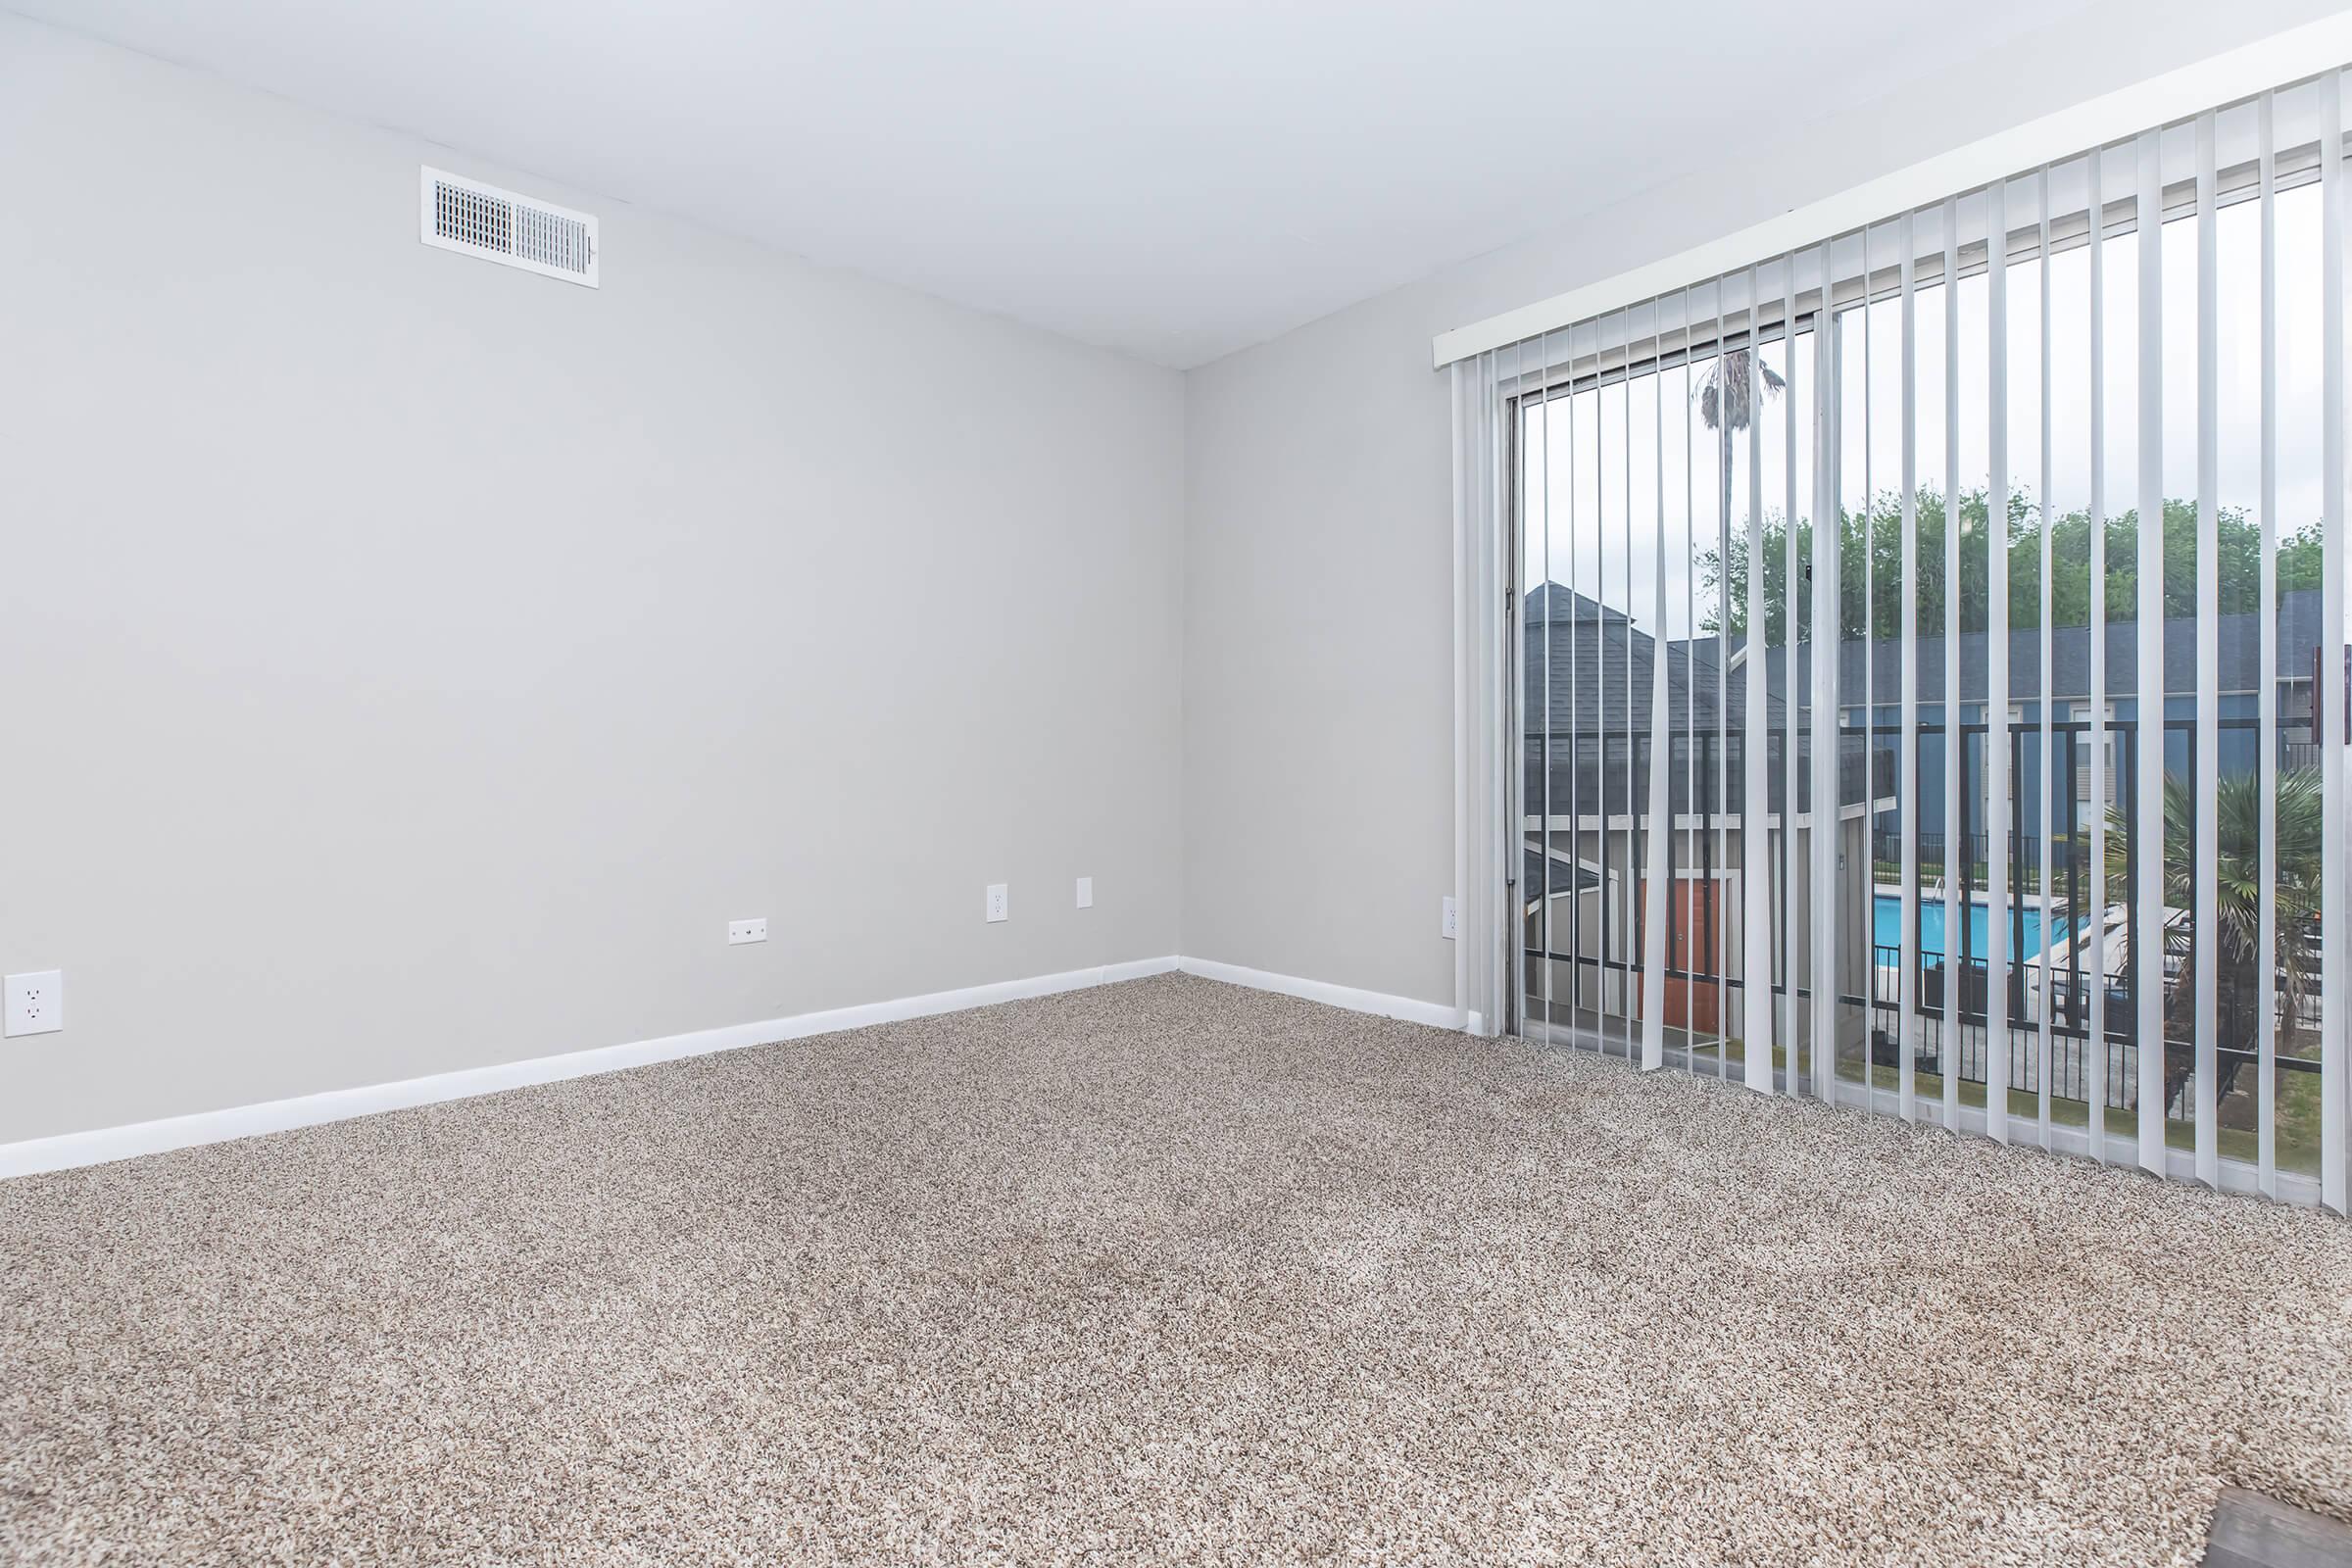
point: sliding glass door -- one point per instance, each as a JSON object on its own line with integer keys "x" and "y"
{"x": 1924, "y": 641}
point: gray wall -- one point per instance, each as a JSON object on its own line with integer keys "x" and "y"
{"x": 1319, "y": 787}
{"x": 409, "y": 663}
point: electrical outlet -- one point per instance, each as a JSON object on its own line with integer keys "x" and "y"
{"x": 1086, "y": 893}
{"x": 36, "y": 1004}
{"x": 742, "y": 931}
{"x": 1445, "y": 919}
{"x": 1000, "y": 903}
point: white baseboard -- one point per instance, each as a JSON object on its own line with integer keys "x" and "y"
{"x": 69, "y": 1150}
{"x": 1434, "y": 1013}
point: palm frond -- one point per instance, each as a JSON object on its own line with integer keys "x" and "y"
{"x": 1727, "y": 392}
{"x": 2297, "y": 878}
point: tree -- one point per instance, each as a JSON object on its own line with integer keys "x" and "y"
{"x": 2238, "y": 541}
{"x": 2242, "y": 971}
{"x": 1727, "y": 403}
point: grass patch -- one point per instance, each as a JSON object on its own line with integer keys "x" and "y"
{"x": 2298, "y": 1108}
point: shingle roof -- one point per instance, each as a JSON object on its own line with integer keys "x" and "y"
{"x": 1593, "y": 649}
{"x": 1530, "y": 873}
{"x": 1587, "y": 666}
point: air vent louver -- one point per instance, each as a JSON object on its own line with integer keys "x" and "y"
{"x": 498, "y": 226}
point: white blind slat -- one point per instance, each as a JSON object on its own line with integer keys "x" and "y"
{"x": 1955, "y": 841}
{"x": 2329, "y": 730}
{"x": 1539, "y": 434}
{"x": 2209, "y": 660}
{"x": 2147, "y": 815}
{"x": 2267, "y": 684}
{"x": 2097, "y": 1089}
{"x": 1825, "y": 567}
{"x": 1659, "y": 846}
{"x": 1692, "y": 779}
{"x": 1755, "y": 925}
{"x": 1907, "y": 764}
{"x": 1629, "y": 897}
{"x": 1786, "y": 1024}
{"x": 2046, "y": 801}
{"x": 1999, "y": 793}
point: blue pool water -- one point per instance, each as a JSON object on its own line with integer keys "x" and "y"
{"x": 1887, "y": 926}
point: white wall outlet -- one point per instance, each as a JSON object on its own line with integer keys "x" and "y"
{"x": 1445, "y": 919}
{"x": 741, "y": 931}
{"x": 36, "y": 1004}
{"x": 1086, "y": 893}
{"x": 1000, "y": 903}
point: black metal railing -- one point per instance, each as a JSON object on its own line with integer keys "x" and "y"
{"x": 2066, "y": 1000}
{"x": 2042, "y": 832}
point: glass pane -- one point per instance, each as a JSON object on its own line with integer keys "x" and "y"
{"x": 1659, "y": 477}
{"x": 1932, "y": 808}
{"x": 2297, "y": 865}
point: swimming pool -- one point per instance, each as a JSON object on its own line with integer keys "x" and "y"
{"x": 1887, "y": 926}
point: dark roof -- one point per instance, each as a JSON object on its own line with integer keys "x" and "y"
{"x": 1530, "y": 872}
{"x": 1589, "y": 647}
{"x": 1593, "y": 650}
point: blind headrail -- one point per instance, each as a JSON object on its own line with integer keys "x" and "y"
{"x": 2295, "y": 55}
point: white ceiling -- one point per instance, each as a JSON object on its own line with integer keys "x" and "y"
{"x": 1175, "y": 178}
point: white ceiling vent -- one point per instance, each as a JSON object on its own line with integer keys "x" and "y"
{"x": 498, "y": 226}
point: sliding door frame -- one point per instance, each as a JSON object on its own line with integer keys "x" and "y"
{"x": 1492, "y": 394}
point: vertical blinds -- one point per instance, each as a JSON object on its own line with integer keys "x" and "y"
{"x": 1924, "y": 659}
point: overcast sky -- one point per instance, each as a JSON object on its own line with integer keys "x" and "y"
{"x": 1586, "y": 498}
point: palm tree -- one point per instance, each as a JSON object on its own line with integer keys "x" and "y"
{"x": 1727, "y": 402}
{"x": 2241, "y": 969}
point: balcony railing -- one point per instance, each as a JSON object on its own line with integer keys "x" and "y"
{"x": 2066, "y": 997}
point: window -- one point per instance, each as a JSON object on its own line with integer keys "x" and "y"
{"x": 1918, "y": 639}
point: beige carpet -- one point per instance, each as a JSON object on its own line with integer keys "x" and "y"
{"x": 1164, "y": 1272}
